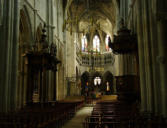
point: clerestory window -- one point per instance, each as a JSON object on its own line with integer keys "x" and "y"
{"x": 96, "y": 44}
{"x": 84, "y": 44}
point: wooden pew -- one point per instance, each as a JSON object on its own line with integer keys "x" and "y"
{"x": 109, "y": 114}
{"x": 40, "y": 115}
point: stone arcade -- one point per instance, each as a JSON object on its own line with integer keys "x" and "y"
{"x": 58, "y": 55}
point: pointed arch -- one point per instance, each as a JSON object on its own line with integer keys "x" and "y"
{"x": 25, "y": 17}
{"x": 84, "y": 82}
{"x": 84, "y": 43}
{"x": 107, "y": 41}
{"x": 25, "y": 40}
{"x": 24, "y": 27}
{"x": 85, "y": 75}
{"x": 97, "y": 78}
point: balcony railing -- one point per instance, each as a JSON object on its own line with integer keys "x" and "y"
{"x": 96, "y": 60}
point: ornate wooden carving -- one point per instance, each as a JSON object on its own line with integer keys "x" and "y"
{"x": 124, "y": 42}
{"x": 41, "y": 59}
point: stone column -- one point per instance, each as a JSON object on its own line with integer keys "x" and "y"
{"x": 162, "y": 38}
{"x": 50, "y": 21}
{"x": 141, "y": 58}
{"x": 147, "y": 57}
{"x": 1, "y": 11}
{"x": 154, "y": 53}
{"x": 161, "y": 15}
{"x": 9, "y": 45}
{"x": 14, "y": 74}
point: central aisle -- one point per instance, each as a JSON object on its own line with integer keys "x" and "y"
{"x": 78, "y": 119}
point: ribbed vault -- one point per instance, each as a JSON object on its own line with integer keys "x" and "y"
{"x": 91, "y": 15}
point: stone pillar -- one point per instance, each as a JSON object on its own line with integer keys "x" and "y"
{"x": 1, "y": 11}
{"x": 141, "y": 59}
{"x": 162, "y": 38}
{"x": 9, "y": 44}
{"x": 154, "y": 53}
{"x": 50, "y": 40}
{"x": 147, "y": 57}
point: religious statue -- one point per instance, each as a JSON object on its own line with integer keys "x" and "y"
{"x": 108, "y": 86}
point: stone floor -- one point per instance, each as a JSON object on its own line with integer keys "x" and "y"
{"x": 77, "y": 120}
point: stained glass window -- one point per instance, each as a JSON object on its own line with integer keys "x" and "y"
{"x": 96, "y": 44}
{"x": 107, "y": 43}
{"x": 97, "y": 81}
{"x": 84, "y": 44}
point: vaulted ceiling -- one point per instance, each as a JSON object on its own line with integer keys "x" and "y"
{"x": 93, "y": 15}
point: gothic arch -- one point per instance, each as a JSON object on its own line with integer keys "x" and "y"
{"x": 25, "y": 39}
{"x": 84, "y": 81}
{"x": 24, "y": 28}
{"x": 85, "y": 74}
{"x": 69, "y": 3}
{"x": 25, "y": 17}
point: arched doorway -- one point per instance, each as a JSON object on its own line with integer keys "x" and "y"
{"x": 107, "y": 86}
{"x": 96, "y": 81}
{"x": 85, "y": 83}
